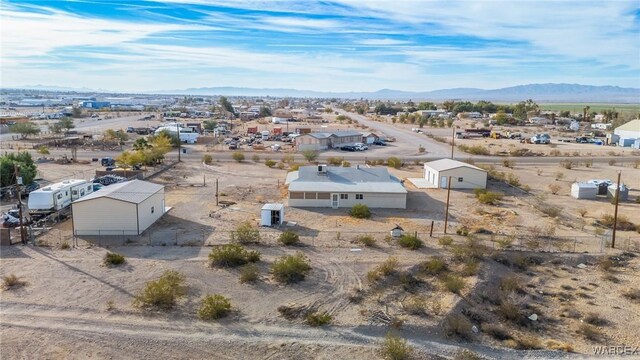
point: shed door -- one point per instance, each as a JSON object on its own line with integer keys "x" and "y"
{"x": 275, "y": 217}
{"x": 443, "y": 182}
{"x": 335, "y": 200}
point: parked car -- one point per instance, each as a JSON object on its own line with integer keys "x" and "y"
{"x": 107, "y": 161}
{"x": 361, "y": 146}
{"x": 348, "y": 148}
{"x": 379, "y": 143}
{"x": 131, "y": 130}
{"x": 233, "y": 146}
{"x": 541, "y": 139}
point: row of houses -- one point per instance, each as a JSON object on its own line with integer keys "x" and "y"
{"x": 333, "y": 139}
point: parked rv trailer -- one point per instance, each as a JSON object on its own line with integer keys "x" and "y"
{"x": 58, "y": 196}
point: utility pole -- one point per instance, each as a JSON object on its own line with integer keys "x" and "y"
{"x": 446, "y": 212}
{"x": 216, "y": 191}
{"x": 453, "y": 140}
{"x": 615, "y": 212}
{"x": 16, "y": 167}
{"x": 179, "y": 141}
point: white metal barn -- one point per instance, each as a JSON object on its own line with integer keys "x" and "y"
{"x": 580, "y": 190}
{"x": 463, "y": 175}
{"x": 126, "y": 208}
{"x": 630, "y": 130}
{"x": 272, "y": 215}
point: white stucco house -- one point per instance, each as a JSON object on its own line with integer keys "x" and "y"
{"x": 463, "y": 175}
{"x": 126, "y": 208}
{"x": 340, "y": 187}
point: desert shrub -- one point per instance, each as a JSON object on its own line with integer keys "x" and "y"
{"x": 366, "y": 240}
{"x": 567, "y": 164}
{"x": 346, "y": 164}
{"x": 505, "y": 242}
{"x": 549, "y": 210}
{"x": 539, "y": 172}
{"x": 511, "y": 283}
{"x": 471, "y": 250}
{"x": 113, "y": 259}
{"x": 559, "y": 175}
{"x": 582, "y": 212}
{"x": 410, "y": 242}
{"x": 162, "y": 293}
{"x": 318, "y": 318}
{"x": 245, "y": 233}
{"x": 453, "y": 283}
{"x": 288, "y": 158}
{"x": 434, "y": 266}
{"x": 462, "y": 231}
{"x": 65, "y": 245}
{"x": 360, "y": 211}
{"x": 445, "y": 240}
{"x": 395, "y": 348}
{"x": 554, "y": 188}
{"x": 334, "y": 161}
{"x": 290, "y": 268}
{"x": 394, "y": 162}
{"x": 232, "y": 255}
{"x": 590, "y": 332}
{"x": 416, "y": 305}
{"x": 487, "y": 197}
{"x": 474, "y": 149}
{"x": 470, "y": 268}
{"x": 310, "y": 155}
{"x": 612, "y": 162}
{"x": 238, "y": 156}
{"x": 467, "y": 355}
{"x": 457, "y": 325}
{"x": 249, "y": 273}
{"x": 496, "y": 331}
{"x": 255, "y": 158}
{"x": 207, "y": 159}
{"x": 281, "y": 165}
{"x": 269, "y": 163}
{"x": 388, "y": 267}
{"x": 528, "y": 342}
{"x": 555, "y": 152}
{"x": 559, "y": 346}
{"x": 513, "y": 179}
{"x": 595, "y": 319}
{"x": 289, "y": 238}
{"x": 632, "y": 294}
{"x": 508, "y": 163}
{"x": 12, "y": 281}
{"x": 214, "y": 307}
{"x": 623, "y": 222}
{"x": 421, "y": 149}
{"x": 509, "y": 311}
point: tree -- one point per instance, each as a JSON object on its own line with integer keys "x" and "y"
{"x": 449, "y": 105}
{"x": 226, "y": 105}
{"x": 265, "y": 111}
{"x": 25, "y": 129}
{"x": 210, "y": 125}
{"x": 27, "y": 170}
{"x": 501, "y": 117}
{"x": 310, "y": 155}
{"x": 119, "y": 135}
{"x": 141, "y": 144}
{"x": 76, "y": 112}
{"x": 131, "y": 158}
{"x": 67, "y": 124}
{"x": 426, "y": 106}
{"x": 43, "y": 150}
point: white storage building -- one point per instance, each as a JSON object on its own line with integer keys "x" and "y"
{"x": 630, "y": 130}
{"x": 126, "y": 208}
{"x": 581, "y": 190}
{"x": 463, "y": 175}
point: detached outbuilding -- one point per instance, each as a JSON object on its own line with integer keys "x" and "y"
{"x": 126, "y": 208}
{"x": 463, "y": 175}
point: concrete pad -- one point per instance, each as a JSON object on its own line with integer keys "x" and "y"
{"x": 422, "y": 183}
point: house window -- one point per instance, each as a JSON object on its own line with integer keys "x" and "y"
{"x": 75, "y": 192}
{"x": 310, "y": 196}
{"x": 324, "y": 196}
{"x": 344, "y": 196}
{"x": 359, "y": 197}
{"x": 59, "y": 196}
{"x": 460, "y": 179}
{"x": 153, "y": 209}
{"x": 296, "y": 195}
{"x": 66, "y": 193}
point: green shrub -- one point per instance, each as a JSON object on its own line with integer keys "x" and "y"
{"x": 434, "y": 266}
{"x": 488, "y": 197}
{"x": 270, "y": 163}
{"x": 470, "y": 268}
{"x": 511, "y": 283}
{"x": 475, "y": 149}
{"x": 366, "y": 240}
{"x": 162, "y": 293}
{"x": 318, "y": 318}
{"x": 334, "y": 161}
{"x": 290, "y": 268}
{"x": 457, "y": 325}
{"x": 394, "y": 162}
{"x": 471, "y": 250}
{"x": 249, "y": 273}
{"x": 360, "y": 211}
{"x": 416, "y": 305}
{"x": 395, "y": 348}
{"x": 453, "y": 283}
{"x": 207, "y": 159}
{"x": 445, "y": 240}
{"x": 346, "y": 164}
{"x": 310, "y": 155}
{"x": 245, "y": 233}
{"x": 388, "y": 267}
{"x": 113, "y": 259}
{"x": 232, "y": 255}
{"x": 214, "y": 307}
{"x": 12, "y": 281}
{"x": 410, "y": 242}
{"x": 238, "y": 156}
{"x": 289, "y": 238}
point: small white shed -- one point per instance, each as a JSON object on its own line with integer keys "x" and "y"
{"x": 581, "y": 190}
{"x": 272, "y": 215}
{"x": 463, "y": 175}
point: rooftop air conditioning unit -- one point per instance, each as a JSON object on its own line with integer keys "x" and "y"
{"x": 322, "y": 169}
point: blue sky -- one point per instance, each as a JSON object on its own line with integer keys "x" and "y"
{"x": 343, "y": 45}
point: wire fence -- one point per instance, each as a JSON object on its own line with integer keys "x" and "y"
{"x": 334, "y": 239}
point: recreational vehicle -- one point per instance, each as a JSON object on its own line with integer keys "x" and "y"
{"x": 57, "y": 196}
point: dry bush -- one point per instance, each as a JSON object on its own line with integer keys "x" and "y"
{"x": 590, "y": 332}
{"x": 567, "y": 164}
{"x": 290, "y": 268}
{"x": 471, "y": 250}
{"x": 249, "y": 273}
{"x": 559, "y": 346}
{"x": 232, "y": 255}
{"x": 488, "y": 197}
{"x": 317, "y": 318}
{"x": 207, "y": 159}
{"x": 510, "y": 311}
{"x": 65, "y": 245}
{"x": 445, "y": 240}
{"x": 508, "y": 163}
{"x": 470, "y": 268}
{"x": 623, "y": 223}
{"x": 269, "y": 163}
{"x": 467, "y": 355}
{"x": 457, "y": 325}
{"x": 559, "y": 175}
{"x": 410, "y": 242}
{"x": 113, "y": 259}
{"x": 416, "y": 305}
{"x": 632, "y": 294}
{"x": 366, "y": 240}
{"x": 245, "y": 233}
{"x": 388, "y": 267}
{"x": 539, "y": 172}
{"x": 453, "y": 283}
{"x": 595, "y": 319}
{"x": 582, "y": 212}
{"x": 435, "y": 306}
{"x": 12, "y": 281}
{"x": 289, "y": 238}
{"x": 395, "y": 348}
{"x": 214, "y": 307}
{"x": 434, "y": 266}
{"x": 511, "y": 283}
{"x": 554, "y": 188}
{"x": 496, "y": 331}
{"x": 528, "y": 342}
{"x": 504, "y": 243}
{"x": 162, "y": 293}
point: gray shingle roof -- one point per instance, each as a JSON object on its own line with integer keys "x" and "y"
{"x": 135, "y": 191}
{"x": 340, "y": 179}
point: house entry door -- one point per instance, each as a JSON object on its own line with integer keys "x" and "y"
{"x": 334, "y": 200}
{"x": 443, "y": 182}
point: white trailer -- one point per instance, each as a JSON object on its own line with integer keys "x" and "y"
{"x": 58, "y": 196}
{"x": 187, "y": 135}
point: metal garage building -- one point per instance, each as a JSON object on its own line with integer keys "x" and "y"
{"x": 126, "y": 208}
{"x": 463, "y": 175}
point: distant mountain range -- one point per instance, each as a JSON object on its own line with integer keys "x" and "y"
{"x": 538, "y": 92}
